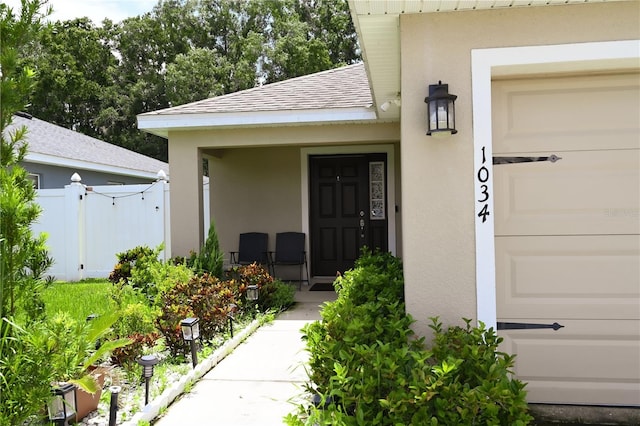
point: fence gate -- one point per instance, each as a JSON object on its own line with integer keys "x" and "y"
{"x": 87, "y": 226}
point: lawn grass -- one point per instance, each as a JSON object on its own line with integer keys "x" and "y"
{"x": 79, "y": 299}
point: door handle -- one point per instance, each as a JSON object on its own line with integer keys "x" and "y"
{"x": 526, "y": 326}
{"x": 510, "y": 160}
{"x": 361, "y": 223}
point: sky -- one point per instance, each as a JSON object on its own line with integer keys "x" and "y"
{"x": 96, "y": 10}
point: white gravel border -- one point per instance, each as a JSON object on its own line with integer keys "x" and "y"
{"x": 153, "y": 409}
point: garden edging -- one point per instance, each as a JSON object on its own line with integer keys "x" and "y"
{"x": 153, "y": 409}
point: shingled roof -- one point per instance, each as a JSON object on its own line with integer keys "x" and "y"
{"x": 49, "y": 142}
{"x": 336, "y": 95}
{"x": 345, "y": 87}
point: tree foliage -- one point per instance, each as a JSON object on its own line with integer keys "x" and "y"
{"x": 97, "y": 78}
{"x": 24, "y": 374}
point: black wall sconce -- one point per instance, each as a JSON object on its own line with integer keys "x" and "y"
{"x": 441, "y": 111}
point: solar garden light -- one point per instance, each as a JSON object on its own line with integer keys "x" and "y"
{"x": 232, "y": 308}
{"x": 62, "y": 407}
{"x": 253, "y": 293}
{"x": 113, "y": 406}
{"x": 147, "y": 362}
{"x": 190, "y": 332}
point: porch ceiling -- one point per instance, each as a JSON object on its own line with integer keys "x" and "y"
{"x": 377, "y": 25}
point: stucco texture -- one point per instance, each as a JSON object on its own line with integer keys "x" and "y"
{"x": 438, "y": 174}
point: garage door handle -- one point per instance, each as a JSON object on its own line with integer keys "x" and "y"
{"x": 510, "y": 160}
{"x": 526, "y": 326}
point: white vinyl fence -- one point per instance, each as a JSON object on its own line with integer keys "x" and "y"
{"x": 87, "y": 226}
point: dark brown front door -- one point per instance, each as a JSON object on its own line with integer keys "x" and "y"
{"x": 341, "y": 218}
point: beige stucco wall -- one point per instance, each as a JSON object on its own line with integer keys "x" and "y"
{"x": 250, "y": 193}
{"x": 438, "y": 176}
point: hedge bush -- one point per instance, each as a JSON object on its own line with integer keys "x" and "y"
{"x": 368, "y": 368}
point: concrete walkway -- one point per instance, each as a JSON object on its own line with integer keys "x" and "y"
{"x": 261, "y": 381}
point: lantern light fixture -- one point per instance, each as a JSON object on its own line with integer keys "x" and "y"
{"x": 62, "y": 407}
{"x": 190, "y": 332}
{"x": 252, "y": 292}
{"x": 190, "y": 328}
{"x": 441, "y": 112}
{"x": 147, "y": 362}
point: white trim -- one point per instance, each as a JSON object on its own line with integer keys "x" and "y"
{"x": 488, "y": 63}
{"x": 186, "y": 120}
{"x": 85, "y": 165}
{"x": 351, "y": 149}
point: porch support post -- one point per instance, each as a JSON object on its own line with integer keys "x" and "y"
{"x": 185, "y": 178}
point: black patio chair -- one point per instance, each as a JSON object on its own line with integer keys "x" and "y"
{"x": 290, "y": 251}
{"x": 252, "y": 247}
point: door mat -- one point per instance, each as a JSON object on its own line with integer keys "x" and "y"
{"x": 322, "y": 287}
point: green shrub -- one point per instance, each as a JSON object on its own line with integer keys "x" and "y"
{"x": 274, "y": 294}
{"x": 137, "y": 293}
{"x": 210, "y": 260}
{"x": 136, "y": 318}
{"x": 134, "y": 269}
{"x": 25, "y": 372}
{"x": 277, "y": 296}
{"x": 165, "y": 275}
{"x": 205, "y": 297}
{"x": 126, "y": 356}
{"x": 367, "y": 367}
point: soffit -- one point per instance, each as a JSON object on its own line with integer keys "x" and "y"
{"x": 377, "y": 25}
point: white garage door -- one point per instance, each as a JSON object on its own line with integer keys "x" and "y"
{"x": 568, "y": 234}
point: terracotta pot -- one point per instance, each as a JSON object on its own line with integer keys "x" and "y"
{"x": 86, "y": 402}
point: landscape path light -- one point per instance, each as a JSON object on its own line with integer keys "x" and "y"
{"x": 190, "y": 332}
{"x": 62, "y": 407}
{"x": 147, "y": 362}
{"x": 113, "y": 406}
{"x": 232, "y": 308}
{"x": 253, "y": 292}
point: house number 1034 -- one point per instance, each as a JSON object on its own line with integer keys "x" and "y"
{"x": 483, "y": 177}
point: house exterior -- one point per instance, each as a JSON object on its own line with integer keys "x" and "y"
{"x": 548, "y": 92}
{"x": 56, "y": 153}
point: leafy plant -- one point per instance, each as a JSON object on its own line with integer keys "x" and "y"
{"x": 367, "y": 367}
{"x": 127, "y": 355}
{"x": 205, "y": 297}
{"x": 78, "y": 345}
{"x": 210, "y": 260}
{"x": 134, "y": 269}
{"x": 277, "y": 296}
{"x": 24, "y": 374}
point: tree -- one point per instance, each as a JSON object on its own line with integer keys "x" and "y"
{"x": 98, "y": 79}
{"x": 25, "y": 376}
{"x": 330, "y": 21}
{"x": 73, "y": 64}
{"x": 22, "y": 256}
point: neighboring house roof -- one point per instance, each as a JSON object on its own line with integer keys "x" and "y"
{"x": 337, "y": 95}
{"x": 56, "y": 145}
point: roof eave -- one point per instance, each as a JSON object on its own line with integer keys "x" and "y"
{"x": 34, "y": 157}
{"x": 161, "y": 124}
